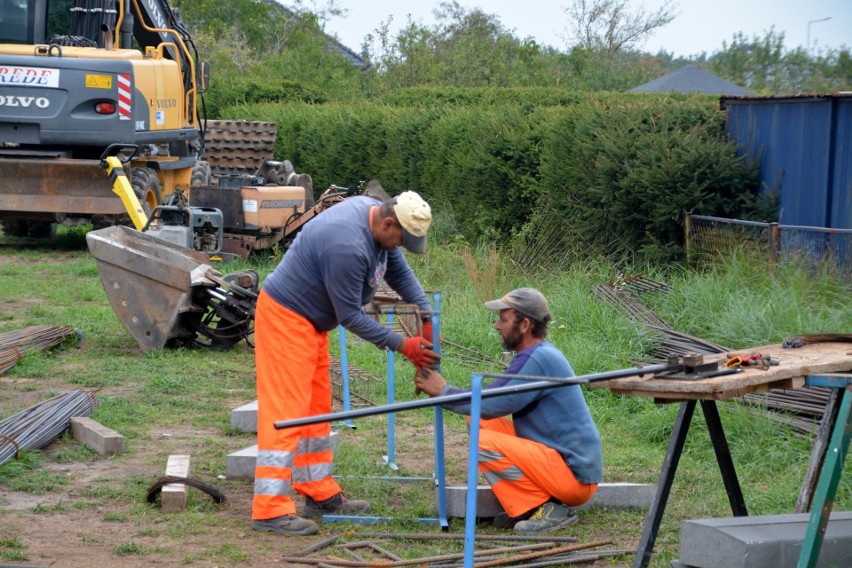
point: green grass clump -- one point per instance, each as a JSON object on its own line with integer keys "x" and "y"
{"x": 11, "y": 548}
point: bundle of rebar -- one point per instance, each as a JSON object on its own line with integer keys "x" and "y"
{"x": 14, "y": 344}
{"x": 620, "y": 293}
{"x": 39, "y": 425}
{"x": 545, "y": 551}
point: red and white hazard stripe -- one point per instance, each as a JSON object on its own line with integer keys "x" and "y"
{"x": 124, "y": 100}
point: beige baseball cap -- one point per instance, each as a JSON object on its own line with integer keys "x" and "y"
{"x": 415, "y": 216}
{"x": 528, "y": 301}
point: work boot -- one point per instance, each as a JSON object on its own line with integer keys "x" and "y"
{"x": 549, "y": 517}
{"x": 335, "y": 505}
{"x": 287, "y": 524}
{"x": 502, "y": 520}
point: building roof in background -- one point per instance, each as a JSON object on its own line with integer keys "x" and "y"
{"x": 691, "y": 79}
{"x": 333, "y": 43}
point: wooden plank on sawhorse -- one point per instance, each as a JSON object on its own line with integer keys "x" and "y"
{"x": 174, "y": 494}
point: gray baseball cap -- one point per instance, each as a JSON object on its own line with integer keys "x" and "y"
{"x": 528, "y": 301}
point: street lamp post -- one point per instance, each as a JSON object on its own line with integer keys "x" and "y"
{"x": 809, "y": 30}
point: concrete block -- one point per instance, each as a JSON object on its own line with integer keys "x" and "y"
{"x": 240, "y": 464}
{"x": 244, "y": 418}
{"x": 622, "y": 496}
{"x": 610, "y": 495}
{"x": 96, "y": 436}
{"x": 174, "y": 494}
{"x": 487, "y": 504}
{"x": 757, "y": 542}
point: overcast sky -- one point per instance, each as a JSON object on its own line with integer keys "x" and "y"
{"x": 700, "y": 25}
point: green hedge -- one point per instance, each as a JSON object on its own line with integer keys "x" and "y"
{"x": 611, "y": 164}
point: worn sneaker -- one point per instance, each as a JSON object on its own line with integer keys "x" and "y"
{"x": 287, "y": 524}
{"x": 336, "y": 505}
{"x": 502, "y": 520}
{"x": 549, "y": 517}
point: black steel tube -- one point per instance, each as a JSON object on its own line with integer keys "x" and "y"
{"x": 536, "y": 383}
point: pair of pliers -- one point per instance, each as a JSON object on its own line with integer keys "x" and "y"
{"x": 752, "y": 360}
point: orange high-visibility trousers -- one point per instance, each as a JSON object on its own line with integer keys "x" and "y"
{"x": 292, "y": 382}
{"x": 524, "y": 474}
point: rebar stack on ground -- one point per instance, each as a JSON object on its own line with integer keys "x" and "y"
{"x": 499, "y": 550}
{"x": 801, "y": 409}
{"x": 621, "y": 293}
{"x": 14, "y": 344}
{"x": 42, "y": 423}
{"x": 543, "y": 251}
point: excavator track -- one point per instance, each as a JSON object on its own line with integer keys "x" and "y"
{"x": 238, "y": 145}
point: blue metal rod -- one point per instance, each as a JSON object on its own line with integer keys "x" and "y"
{"x": 344, "y": 372}
{"x": 440, "y": 470}
{"x": 536, "y": 383}
{"x": 391, "y": 420}
{"x": 472, "y": 471}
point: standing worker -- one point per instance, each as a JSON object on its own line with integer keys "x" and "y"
{"x": 333, "y": 269}
{"x": 547, "y": 458}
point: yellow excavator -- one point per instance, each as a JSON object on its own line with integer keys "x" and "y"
{"x": 74, "y": 86}
{"x": 101, "y": 97}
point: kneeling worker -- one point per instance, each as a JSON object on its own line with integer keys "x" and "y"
{"x": 547, "y": 458}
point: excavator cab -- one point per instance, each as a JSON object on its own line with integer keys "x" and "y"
{"x": 40, "y": 22}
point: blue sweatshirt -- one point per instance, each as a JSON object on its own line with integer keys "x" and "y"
{"x": 558, "y": 418}
{"x": 334, "y": 267}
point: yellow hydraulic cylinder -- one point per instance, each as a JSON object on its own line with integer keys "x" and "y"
{"x": 122, "y": 188}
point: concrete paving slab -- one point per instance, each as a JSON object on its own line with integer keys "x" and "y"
{"x": 758, "y": 542}
{"x": 174, "y": 494}
{"x": 244, "y": 418}
{"x": 95, "y": 435}
{"x": 609, "y": 495}
{"x": 240, "y": 464}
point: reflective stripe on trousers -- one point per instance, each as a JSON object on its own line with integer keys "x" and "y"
{"x": 292, "y": 382}
{"x": 524, "y": 474}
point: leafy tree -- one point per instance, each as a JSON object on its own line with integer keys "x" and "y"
{"x": 608, "y": 26}
{"x": 763, "y": 65}
{"x": 464, "y": 48}
{"x": 262, "y": 52}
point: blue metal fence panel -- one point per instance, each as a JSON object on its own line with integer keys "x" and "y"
{"x": 804, "y": 145}
{"x": 841, "y": 187}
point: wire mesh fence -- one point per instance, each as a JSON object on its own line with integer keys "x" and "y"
{"x": 709, "y": 237}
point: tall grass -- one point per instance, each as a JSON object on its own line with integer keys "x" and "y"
{"x": 736, "y": 302}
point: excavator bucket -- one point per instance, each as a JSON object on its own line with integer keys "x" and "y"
{"x": 149, "y": 282}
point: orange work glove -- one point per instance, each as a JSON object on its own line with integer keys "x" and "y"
{"x": 426, "y": 331}
{"x": 419, "y": 352}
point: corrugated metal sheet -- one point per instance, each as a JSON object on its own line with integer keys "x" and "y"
{"x": 804, "y": 144}
{"x": 841, "y": 197}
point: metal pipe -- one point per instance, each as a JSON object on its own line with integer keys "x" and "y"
{"x": 440, "y": 469}
{"x": 472, "y": 472}
{"x": 537, "y": 383}
{"x": 391, "y": 457}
